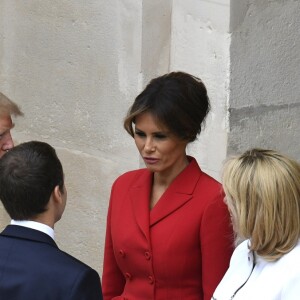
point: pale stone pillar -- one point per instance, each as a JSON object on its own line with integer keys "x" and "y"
{"x": 200, "y": 46}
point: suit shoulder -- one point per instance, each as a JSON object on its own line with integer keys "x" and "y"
{"x": 194, "y": 170}
{"x": 209, "y": 186}
{"x": 210, "y": 180}
{"x": 130, "y": 176}
{"x": 211, "y": 193}
{"x": 66, "y": 259}
{"x": 58, "y": 261}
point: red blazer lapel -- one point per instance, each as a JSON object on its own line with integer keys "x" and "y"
{"x": 178, "y": 193}
{"x": 140, "y": 195}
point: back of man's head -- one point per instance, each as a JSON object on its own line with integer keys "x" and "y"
{"x": 8, "y": 107}
{"x": 28, "y": 175}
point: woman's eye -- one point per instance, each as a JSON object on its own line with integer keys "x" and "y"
{"x": 160, "y": 136}
{"x": 139, "y": 133}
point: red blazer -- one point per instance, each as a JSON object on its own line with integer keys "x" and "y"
{"x": 178, "y": 250}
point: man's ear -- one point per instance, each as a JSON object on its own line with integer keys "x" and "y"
{"x": 57, "y": 195}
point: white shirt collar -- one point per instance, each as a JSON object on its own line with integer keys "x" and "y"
{"x": 35, "y": 225}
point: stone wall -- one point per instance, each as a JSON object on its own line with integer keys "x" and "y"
{"x": 264, "y": 76}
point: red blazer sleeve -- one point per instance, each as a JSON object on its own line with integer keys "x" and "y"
{"x": 113, "y": 280}
{"x": 216, "y": 238}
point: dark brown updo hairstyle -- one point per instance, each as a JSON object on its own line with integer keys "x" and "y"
{"x": 177, "y": 100}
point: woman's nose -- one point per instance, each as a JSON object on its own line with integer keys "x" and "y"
{"x": 149, "y": 146}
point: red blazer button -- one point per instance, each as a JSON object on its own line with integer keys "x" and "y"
{"x": 128, "y": 276}
{"x": 151, "y": 279}
{"x": 122, "y": 253}
{"x": 147, "y": 255}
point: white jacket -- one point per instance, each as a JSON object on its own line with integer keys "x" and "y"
{"x": 257, "y": 279}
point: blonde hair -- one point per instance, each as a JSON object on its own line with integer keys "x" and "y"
{"x": 262, "y": 190}
{"x": 8, "y": 107}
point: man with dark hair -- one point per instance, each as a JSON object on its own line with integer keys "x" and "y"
{"x": 7, "y": 109}
{"x": 32, "y": 267}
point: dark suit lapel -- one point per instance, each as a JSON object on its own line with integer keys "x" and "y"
{"x": 139, "y": 194}
{"x": 178, "y": 193}
{"x": 25, "y": 233}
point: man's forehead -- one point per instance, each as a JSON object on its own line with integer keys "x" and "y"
{"x": 6, "y": 122}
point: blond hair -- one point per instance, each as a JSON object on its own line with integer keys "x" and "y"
{"x": 262, "y": 190}
{"x": 8, "y": 107}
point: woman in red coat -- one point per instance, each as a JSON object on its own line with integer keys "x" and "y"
{"x": 168, "y": 229}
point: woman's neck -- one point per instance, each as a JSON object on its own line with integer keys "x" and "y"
{"x": 162, "y": 180}
{"x": 165, "y": 178}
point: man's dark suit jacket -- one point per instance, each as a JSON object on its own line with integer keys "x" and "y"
{"x": 33, "y": 268}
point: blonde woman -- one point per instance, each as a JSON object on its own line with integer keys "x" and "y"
{"x": 262, "y": 190}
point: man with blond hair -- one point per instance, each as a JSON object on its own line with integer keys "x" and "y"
{"x": 7, "y": 109}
